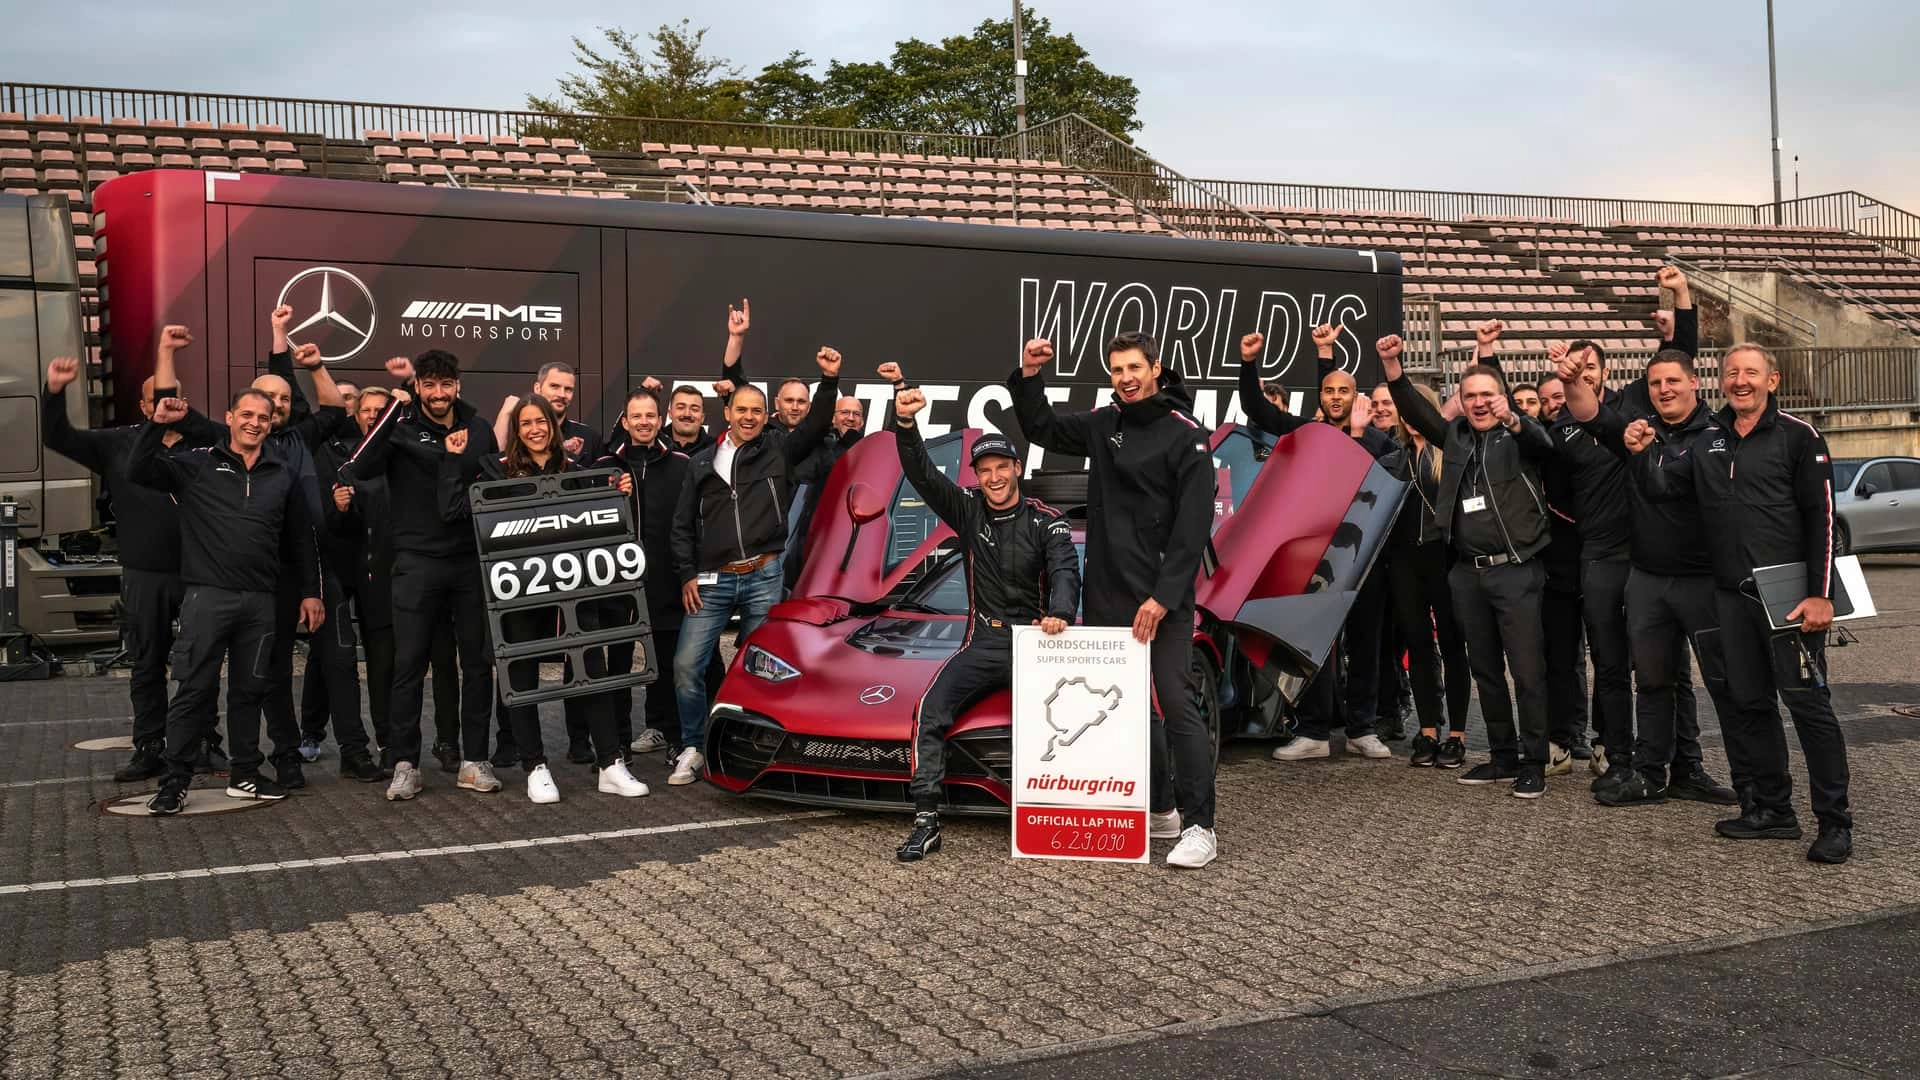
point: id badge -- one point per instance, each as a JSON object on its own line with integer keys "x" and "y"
{"x": 1474, "y": 505}
{"x": 707, "y": 579}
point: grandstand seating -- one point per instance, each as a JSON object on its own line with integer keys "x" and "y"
{"x": 1547, "y": 278}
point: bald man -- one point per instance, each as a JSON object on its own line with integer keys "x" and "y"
{"x": 849, "y": 424}
{"x": 297, "y": 430}
{"x": 147, "y": 525}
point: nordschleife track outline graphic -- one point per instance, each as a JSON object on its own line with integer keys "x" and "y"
{"x": 1065, "y": 734}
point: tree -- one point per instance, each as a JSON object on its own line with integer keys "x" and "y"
{"x": 961, "y": 85}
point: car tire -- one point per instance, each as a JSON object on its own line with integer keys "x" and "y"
{"x": 1842, "y": 538}
{"x": 1206, "y": 696}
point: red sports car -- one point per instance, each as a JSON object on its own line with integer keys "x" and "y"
{"x": 817, "y": 706}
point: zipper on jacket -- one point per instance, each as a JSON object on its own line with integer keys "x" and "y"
{"x": 739, "y": 532}
{"x": 779, "y": 512}
{"x": 1494, "y": 503}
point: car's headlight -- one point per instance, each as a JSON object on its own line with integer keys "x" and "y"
{"x": 763, "y": 664}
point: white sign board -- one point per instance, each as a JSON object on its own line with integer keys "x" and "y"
{"x": 1081, "y": 713}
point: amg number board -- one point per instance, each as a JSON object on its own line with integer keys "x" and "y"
{"x": 564, "y": 550}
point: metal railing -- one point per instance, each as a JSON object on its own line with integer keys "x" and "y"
{"x": 1821, "y": 279}
{"x": 1459, "y": 205}
{"x": 1851, "y": 211}
{"x": 1185, "y": 205}
{"x": 1735, "y": 296}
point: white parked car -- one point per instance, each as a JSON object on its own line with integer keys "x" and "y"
{"x": 1878, "y": 503}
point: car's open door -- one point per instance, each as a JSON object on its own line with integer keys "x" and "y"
{"x": 871, "y": 528}
{"x": 1305, "y": 518}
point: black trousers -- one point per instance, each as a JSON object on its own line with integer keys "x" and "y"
{"x": 1603, "y": 607}
{"x": 1765, "y": 668}
{"x": 1499, "y": 608}
{"x": 149, "y": 603}
{"x": 377, "y": 643}
{"x": 1563, "y": 626}
{"x": 283, "y": 725}
{"x": 662, "y": 711}
{"x": 1664, "y": 615}
{"x": 983, "y": 665}
{"x": 1394, "y": 690}
{"x": 219, "y": 625}
{"x": 596, "y": 711}
{"x": 1182, "y": 749}
{"x": 1366, "y": 626}
{"x": 331, "y": 690}
{"x": 1423, "y": 610}
{"x": 426, "y": 591}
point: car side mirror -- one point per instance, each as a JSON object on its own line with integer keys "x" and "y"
{"x": 864, "y": 504}
{"x": 1866, "y": 491}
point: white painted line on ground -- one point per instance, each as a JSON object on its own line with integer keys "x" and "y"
{"x": 413, "y": 853}
{"x": 108, "y": 777}
{"x": 69, "y": 720}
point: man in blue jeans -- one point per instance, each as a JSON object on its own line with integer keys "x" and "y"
{"x": 728, "y": 532}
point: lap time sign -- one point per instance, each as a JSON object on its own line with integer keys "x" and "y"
{"x": 1081, "y": 710}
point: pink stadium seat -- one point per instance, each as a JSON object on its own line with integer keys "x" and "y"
{"x": 421, "y": 153}
{"x": 397, "y": 169}
{"x": 175, "y": 161}
{"x": 130, "y": 142}
{"x": 289, "y": 164}
{"x": 533, "y": 142}
{"x": 242, "y": 146}
{"x": 216, "y": 161}
{"x": 409, "y": 136}
{"x": 468, "y": 138}
{"x": 169, "y": 142}
{"x": 376, "y": 135}
{"x": 565, "y": 144}
{"x": 199, "y": 125}
{"x": 440, "y": 137}
{"x": 14, "y": 174}
{"x": 385, "y": 152}
{"x": 52, "y": 138}
{"x": 49, "y": 118}
{"x": 271, "y": 129}
{"x": 138, "y": 160}
{"x": 254, "y": 164}
{"x": 453, "y": 153}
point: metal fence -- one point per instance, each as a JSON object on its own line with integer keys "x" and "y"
{"x": 1850, "y": 211}
{"x": 1459, "y": 205}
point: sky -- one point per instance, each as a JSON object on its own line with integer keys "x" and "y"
{"x": 1636, "y": 98}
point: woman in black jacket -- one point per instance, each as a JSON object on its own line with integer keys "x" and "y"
{"x": 1423, "y": 607}
{"x": 533, "y": 450}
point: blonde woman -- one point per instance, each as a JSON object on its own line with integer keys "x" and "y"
{"x": 1423, "y": 608}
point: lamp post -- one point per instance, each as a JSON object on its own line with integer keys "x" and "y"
{"x": 1773, "y": 97}
{"x": 1020, "y": 80}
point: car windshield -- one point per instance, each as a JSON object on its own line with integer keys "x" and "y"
{"x": 1843, "y": 474}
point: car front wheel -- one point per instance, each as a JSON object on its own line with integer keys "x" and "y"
{"x": 1842, "y": 538}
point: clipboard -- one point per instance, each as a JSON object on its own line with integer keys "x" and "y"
{"x": 1782, "y": 586}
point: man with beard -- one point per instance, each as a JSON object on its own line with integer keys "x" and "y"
{"x": 849, "y": 424}
{"x": 436, "y": 566}
{"x": 147, "y": 522}
{"x": 242, "y": 526}
{"x": 1149, "y": 514}
{"x": 557, "y": 384}
{"x": 297, "y": 430}
{"x": 1366, "y": 620}
{"x": 1526, "y": 398}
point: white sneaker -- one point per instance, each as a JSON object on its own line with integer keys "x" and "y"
{"x": 1559, "y": 762}
{"x": 1300, "y": 749}
{"x": 540, "y": 787}
{"x": 477, "y": 776}
{"x": 1163, "y": 826}
{"x": 1369, "y": 746}
{"x": 1197, "y": 847}
{"x": 616, "y": 780}
{"x": 686, "y": 767}
{"x": 407, "y": 782}
{"x": 649, "y": 741}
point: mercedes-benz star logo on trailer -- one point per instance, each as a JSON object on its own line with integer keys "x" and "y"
{"x": 876, "y": 695}
{"x": 345, "y": 336}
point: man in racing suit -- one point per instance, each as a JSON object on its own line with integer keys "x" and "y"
{"x": 1021, "y": 569}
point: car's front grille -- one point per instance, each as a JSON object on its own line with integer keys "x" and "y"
{"x": 982, "y": 754}
{"x": 822, "y": 751}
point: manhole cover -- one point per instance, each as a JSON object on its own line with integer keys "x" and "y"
{"x": 207, "y": 800}
{"x": 117, "y": 742}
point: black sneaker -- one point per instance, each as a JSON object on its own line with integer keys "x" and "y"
{"x": 147, "y": 762}
{"x": 1700, "y": 787}
{"x": 923, "y": 841}
{"x": 1615, "y": 775}
{"x": 361, "y": 767}
{"x": 505, "y": 755}
{"x": 1581, "y": 750}
{"x": 1453, "y": 753}
{"x": 170, "y": 799}
{"x": 1531, "y": 783}
{"x": 1636, "y": 790}
{"x": 1426, "y": 748}
{"x": 1760, "y": 824}
{"x": 448, "y": 755}
{"x": 254, "y": 787}
{"x": 580, "y": 751}
{"x": 1490, "y": 772}
{"x": 290, "y": 774}
{"x": 1833, "y": 846}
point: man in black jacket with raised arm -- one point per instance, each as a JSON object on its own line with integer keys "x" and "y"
{"x": 1021, "y": 570}
{"x": 148, "y": 524}
{"x": 728, "y": 531}
{"x": 1763, "y": 480}
{"x": 436, "y": 563}
{"x": 1150, "y": 491}
{"x": 1490, "y": 506}
{"x": 243, "y": 518}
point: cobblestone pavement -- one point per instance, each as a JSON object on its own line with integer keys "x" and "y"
{"x": 694, "y": 934}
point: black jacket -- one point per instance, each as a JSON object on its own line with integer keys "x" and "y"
{"x": 407, "y": 447}
{"x": 1766, "y": 498}
{"x": 592, "y": 448}
{"x": 1510, "y": 463}
{"x": 1416, "y": 524}
{"x": 342, "y": 533}
{"x": 1669, "y": 537}
{"x": 1150, "y": 491}
{"x": 238, "y": 526}
{"x": 717, "y": 523}
{"x": 146, "y": 520}
{"x": 659, "y": 473}
{"x": 373, "y": 578}
{"x": 1021, "y": 564}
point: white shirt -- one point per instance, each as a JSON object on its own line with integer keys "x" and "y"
{"x": 723, "y": 452}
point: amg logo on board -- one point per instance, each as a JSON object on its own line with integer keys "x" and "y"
{"x": 528, "y": 526}
{"x": 463, "y": 309}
